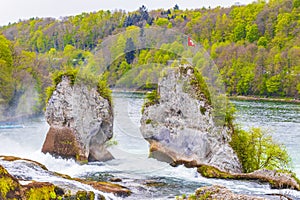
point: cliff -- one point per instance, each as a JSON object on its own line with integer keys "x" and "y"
{"x": 80, "y": 120}
{"x": 179, "y": 124}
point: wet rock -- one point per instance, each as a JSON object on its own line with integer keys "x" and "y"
{"x": 220, "y": 192}
{"x": 38, "y": 190}
{"x": 17, "y": 188}
{"x": 179, "y": 124}
{"x": 13, "y": 158}
{"x": 84, "y": 195}
{"x": 9, "y": 186}
{"x": 276, "y": 179}
{"x": 80, "y": 120}
{"x": 114, "y": 179}
{"x": 107, "y": 187}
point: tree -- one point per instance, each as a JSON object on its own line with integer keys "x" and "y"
{"x": 6, "y": 65}
{"x": 239, "y": 32}
{"x": 144, "y": 12}
{"x": 176, "y": 7}
{"x": 162, "y": 22}
{"x": 252, "y": 33}
{"x": 273, "y": 84}
{"x": 262, "y": 41}
{"x": 257, "y": 150}
{"x": 129, "y": 50}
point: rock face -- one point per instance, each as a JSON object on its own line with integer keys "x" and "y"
{"x": 80, "y": 120}
{"x": 180, "y": 126}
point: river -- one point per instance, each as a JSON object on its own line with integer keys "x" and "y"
{"x": 147, "y": 177}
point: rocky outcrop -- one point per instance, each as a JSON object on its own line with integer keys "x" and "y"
{"x": 80, "y": 120}
{"x": 9, "y": 185}
{"x": 179, "y": 125}
{"x": 276, "y": 179}
{"x": 217, "y": 192}
{"x": 19, "y": 188}
{"x": 10, "y": 188}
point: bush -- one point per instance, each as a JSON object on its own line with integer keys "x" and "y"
{"x": 71, "y": 73}
{"x": 85, "y": 77}
{"x": 200, "y": 85}
{"x": 104, "y": 90}
{"x": 152, "y": 98}
{"x": 56, "y": 79}
{"x": 257, "y": 150}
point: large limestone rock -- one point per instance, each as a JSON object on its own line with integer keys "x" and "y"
{"x": 180, "y": 126}
{"x": 80, "y": 120}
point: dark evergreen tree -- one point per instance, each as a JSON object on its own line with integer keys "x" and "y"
{"x": 176, "y": 7}
{"x": 129, "y": 50}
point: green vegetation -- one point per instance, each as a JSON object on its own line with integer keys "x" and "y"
{"x": 85, "y": 77}
{"x": 152, "y": 98}
{"x": 40, "y": 193}
{"x": 280, "y": 178}
{"x": 200, "y": 86}
{"x": 56, "y": 79}
{"x": 104, "y": 90}
{"x": 7, "y": 183}
{"x": 257, "y": 150}
{"x": 111, "y": 142}
{"x": 256, "y": 48}
{"x": 212, "y": 172}
{"x": 84, "y": 195}
{"x": 70, "y": 73}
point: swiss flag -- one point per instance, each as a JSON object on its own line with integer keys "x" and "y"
{"x": 190, "y": 42}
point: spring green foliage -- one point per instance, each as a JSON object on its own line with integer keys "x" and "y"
{"x": 70, "y": 73}
{"x": 6, "y": 62}
{"x": 257, "y": 150}
{"x": 56, "y": 79}
{"x": 256, "y": 47}
{"x": 104, "y": 90}
{"x": 86, "y": 77}
{"x": 200, "y": 85}
{"x": 152, "y": 98}
{"x": 7, "y": 184}
{"x": 20, "y": 71}
{"x": 46, "y": 192}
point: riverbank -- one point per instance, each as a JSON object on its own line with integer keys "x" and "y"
{"x": 240, "y": 98}
{"x": 255, "y": 98}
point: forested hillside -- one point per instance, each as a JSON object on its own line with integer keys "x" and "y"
{"x": 256, "y": 47}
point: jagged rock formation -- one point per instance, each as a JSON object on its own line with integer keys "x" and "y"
{"x": 80, "y": 120}
{"x": 179, "y": 126}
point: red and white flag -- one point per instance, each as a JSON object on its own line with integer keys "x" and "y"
{"x": 190, "y": 42}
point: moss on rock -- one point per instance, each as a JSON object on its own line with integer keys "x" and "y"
{"x": 40, "y": 191}
{"x": 276, "y": 179}
{"x": 9, "y": 186}
{"x": 84, "y": 195}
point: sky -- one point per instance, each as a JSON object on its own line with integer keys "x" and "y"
{"x": 13, "y": 10}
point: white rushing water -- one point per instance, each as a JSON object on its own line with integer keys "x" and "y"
{"x": 131, "y": 162}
